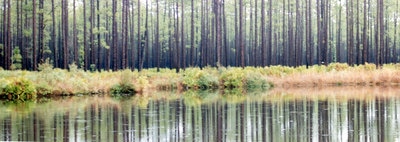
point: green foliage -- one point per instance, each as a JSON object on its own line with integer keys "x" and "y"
{"x": 125, "y": 85}
{"x": 189, "y": 77}
{"x": 120, "y": 89}
{"x": 278, "y": 70}
{"x": 73, "y": 68}
{"x": 92, "y": 67}
{"x": 194, "y": 78}
{"x": 255, "y": 81}
{"x": 207, "y": 81}
{"x": 232, "y": 78}
{"x": 43, "y": 88}
{"x": 20, "y": 89}
{"x": 16, "y": 59}
{"x": 249, "y": 78}
{"x": 3, "y": 84}
{"x": 46, "y": 66}
{"x": 104, "y": 44}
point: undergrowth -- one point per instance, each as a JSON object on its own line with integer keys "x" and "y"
{"x": 19, "y": 89}
{"x": 53, "y": 81}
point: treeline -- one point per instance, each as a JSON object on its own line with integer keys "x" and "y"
{"x": 137, "y": 34}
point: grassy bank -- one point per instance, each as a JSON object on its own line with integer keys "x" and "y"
{"x": 335, "y": 75}
{"x": 49, "y": 81}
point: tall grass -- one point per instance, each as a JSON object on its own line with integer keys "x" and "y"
{"x": 53, "y": 81}
{"x": 339, "y": 75}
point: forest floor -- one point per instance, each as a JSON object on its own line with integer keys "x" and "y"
{"x": 49, "y": 81}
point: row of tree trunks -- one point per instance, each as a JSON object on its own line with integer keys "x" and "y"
{"x": 286, "y": 40}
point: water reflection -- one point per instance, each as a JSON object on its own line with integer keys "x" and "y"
{"x": 369, "y": 114}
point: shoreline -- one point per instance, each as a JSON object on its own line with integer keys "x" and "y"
{"x": 49, "y": 81}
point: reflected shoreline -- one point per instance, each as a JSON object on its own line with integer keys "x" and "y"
{"x": 296, "y": 114}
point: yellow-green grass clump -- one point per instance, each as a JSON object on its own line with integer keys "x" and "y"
{"x": 18, "y": 89}
{"x": 194, "y": 78}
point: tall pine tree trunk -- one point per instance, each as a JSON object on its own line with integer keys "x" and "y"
{"x": 34, "y": 56}
{"x": 114, "y": 35}
{"x": 65, "y": 34}
{"x": 41, "y": 33}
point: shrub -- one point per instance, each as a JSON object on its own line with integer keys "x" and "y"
{"x": 122, "y": 89}
{"x": 125, "y": 85}
{"x": 3, "y": 84}
{"x": 45, "y": 67}
{"x": 255, "y": 81}
{"x": 232, "y": 78}
{"x": 20, "y": 90}
{"x": 195, "y": 78}
{"x": 190, "y": 77}
{"x": 73, "y": 68}
{"x": 207, "y": 81}
{"x": 43, "y": 89}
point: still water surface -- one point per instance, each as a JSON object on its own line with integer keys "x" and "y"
{"x": 355, "y": 114}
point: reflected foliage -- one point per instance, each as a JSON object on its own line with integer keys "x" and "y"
{"x": 209, "y": 116}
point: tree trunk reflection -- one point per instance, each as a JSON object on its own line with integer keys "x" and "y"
{"x": 304, "y": 119}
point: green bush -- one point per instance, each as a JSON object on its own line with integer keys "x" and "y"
{"x": 122, "y": 89}
{"x": 125, "y": 85}
{"x": 194, "y": 78}
{"x": 45, "y": 67}
{"x": 232, "y": 78}
{"x": 20, "y": 90}
{"x": 43, "y": 88}
{"x": 3, "y": 84}
{"x": 190, "y": 77}
{"x": 207, "y": 81}
{"x": 255, "y": 81}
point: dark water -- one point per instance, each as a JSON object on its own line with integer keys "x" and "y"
{"x": 277, "y": 116}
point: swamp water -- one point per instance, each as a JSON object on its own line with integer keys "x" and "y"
{"x": 334, "y": 114}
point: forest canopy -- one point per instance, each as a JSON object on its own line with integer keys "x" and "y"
{"x": 137, "y": 34}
